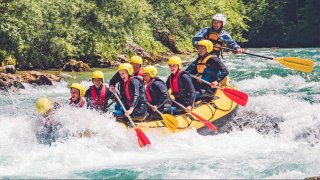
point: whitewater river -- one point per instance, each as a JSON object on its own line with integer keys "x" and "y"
{"x": 276, "y": 135}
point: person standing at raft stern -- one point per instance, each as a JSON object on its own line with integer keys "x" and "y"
{"x": 217, "y": 35}
{"x": 207, "y": 67}
{"x": 77, "y": 92}
{"x": 97, "y": 95}
{"x": 136, "y": 62}
{"x": 132, "y": 93}
{"x": 156, "y": 93}
{"x": 180, "y": 84}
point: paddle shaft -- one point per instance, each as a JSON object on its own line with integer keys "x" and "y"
{"x": 204, "y": 81}
{"x": 244, "y": 52}
{"x": 120, "y": 102}
{"x": 156, "y": 109}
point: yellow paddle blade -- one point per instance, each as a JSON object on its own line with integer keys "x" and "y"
{"x": 304, "y": 65}
{"x": 170, "y": 121}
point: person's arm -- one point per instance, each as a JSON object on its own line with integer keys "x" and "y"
{"x": 88, "y": 98}
{"x": 192, "y": 68}
{"x": 217, "y": 63}
{"x": 135, "y": 87}
{"x": 187, "y": 83}
{"x": 162, "y": 91}
{"x": 201, "y": 35}
{"x": 114, "y": 80}
{"x": 226, "y": 38}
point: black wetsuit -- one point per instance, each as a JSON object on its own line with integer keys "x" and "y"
{"x": 138, "y": 98}
{"x": 160, "y": 98}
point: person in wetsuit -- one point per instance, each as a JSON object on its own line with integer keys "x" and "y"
{"x": 207, "y": 67}
{"x": 180, "y": 84}
{"x": 132, "y": 93}
{"x": 156, "y": 93}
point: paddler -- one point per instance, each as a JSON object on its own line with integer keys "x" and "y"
{"x": 217, "y": 35}
{"x": 156, "y": 93}
{"x": 180, "y": 84}
{"x": 48, "y": 128}
{"x": 136, "y": 62}
{"x": 98, "y": 94}
{"x": 132, "y": 93}
{"x": 207, "y": 67}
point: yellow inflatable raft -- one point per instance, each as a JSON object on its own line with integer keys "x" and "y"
{"x": 219, "y": 111}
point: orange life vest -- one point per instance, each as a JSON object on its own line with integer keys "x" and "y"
{"x": 214, "y": 37}
{"x": 201, "y": 65}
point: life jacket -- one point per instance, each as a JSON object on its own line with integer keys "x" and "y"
{"x": 149, "y": 97}
{"x": 126, "y": 88}
{"x": 174, "y": 84}
{"x": 77, "y": 103}
{"x": 214, "y": 37}
{"x": 98, "y": 102}
{"x": 202, "y": 65}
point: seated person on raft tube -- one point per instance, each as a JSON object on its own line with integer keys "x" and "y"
{"x": 136, "y": 62}
{"x": 77, "y": 92}
{"x": 97, "y": 95}
{"x": 209, "y": 68}
{"x": 132, "y": 94}
{"x": 48, "y": 128}
{"x": 156, "y": 93}
{"x": 217, "y": 35}
{"x": 180, "y": 84}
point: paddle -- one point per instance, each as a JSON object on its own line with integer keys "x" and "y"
{"x": 299, "y": 64}
{"x": 201, "y": 119}
{"x": 170, "y": 121}
{"x": 142, "y": 138}
{"x": 233, "y": 94}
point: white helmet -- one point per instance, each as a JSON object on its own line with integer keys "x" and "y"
{"x": 220, "y": 17}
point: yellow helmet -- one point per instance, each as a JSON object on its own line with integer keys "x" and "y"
{"x": 80, "y": 87}
{"x": 175, "y": 60}
{"x": 136, "y": 59}
{"x": 97, "y": 74}
{"x": 151, "y": 70}
{"x": 207, "y": 43}
{"x": 126, "y": 66}
{"x": 43, "y": 105}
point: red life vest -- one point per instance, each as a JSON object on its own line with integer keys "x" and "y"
{"x": 174, "y": 83}
{"x": 80, "y": 104}
{"x": 126, "y": 88}
{"x": 98, "y": 102}
{"x": 149, "y": 97}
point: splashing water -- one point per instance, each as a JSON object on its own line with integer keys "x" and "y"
{"x": 275, "y": 136}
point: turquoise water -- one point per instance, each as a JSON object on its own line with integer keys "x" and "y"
{"x": 276, "y": 95}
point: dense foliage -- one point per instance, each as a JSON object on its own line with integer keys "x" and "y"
{"x": 46, "y": 34}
